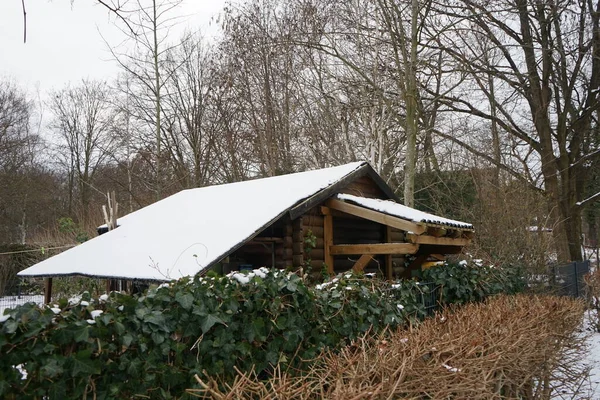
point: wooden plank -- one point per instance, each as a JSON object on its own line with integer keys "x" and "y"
{"x": 376, "y": 248}
{"x": 362, "y": 262}
{"x": 442, "y": 241}
{"x": 48, "y": 291}
{"x": 376, "y": 216}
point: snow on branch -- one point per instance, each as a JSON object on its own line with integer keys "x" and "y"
{"x": 591, "y": 199}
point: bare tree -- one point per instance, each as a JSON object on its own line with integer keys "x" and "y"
{"x": 546, "y": 94}
{"x": 82, "y": 119}
{"x": 147, "y": 26}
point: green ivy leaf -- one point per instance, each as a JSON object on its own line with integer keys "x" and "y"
{"x": 185, "y": 300}
{"x": 82, "y": 334}
{"x": 209, "y": 322}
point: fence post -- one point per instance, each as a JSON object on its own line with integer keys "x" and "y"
{"x": 576, "y": 280}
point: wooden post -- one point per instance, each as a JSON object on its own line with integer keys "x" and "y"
{"x": 414, "y": 265}
{"x": 328, "y": 239}
{"x": 389, "y": 273}
{"x": 48, "y": 291}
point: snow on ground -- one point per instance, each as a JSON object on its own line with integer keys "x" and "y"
{"x": 592, "y": 360}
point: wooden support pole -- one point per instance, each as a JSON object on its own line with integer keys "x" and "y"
{"x": 328, "y": 239}
{"x": 48, "y": 291}
{"x": 389, "y": 273}
{"x": 415, "y": 265}
{"x": 362, "y": 262}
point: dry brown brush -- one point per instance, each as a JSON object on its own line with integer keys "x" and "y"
{"x": 508, "y": 347}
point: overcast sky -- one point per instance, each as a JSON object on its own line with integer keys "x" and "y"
{"x": 64, "y": 42}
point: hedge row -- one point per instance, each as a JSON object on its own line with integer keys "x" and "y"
{"x": 508, "y": 347}
{"x": 120, "y": 346}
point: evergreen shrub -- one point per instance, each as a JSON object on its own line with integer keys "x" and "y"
{"x": 121, "y": 346}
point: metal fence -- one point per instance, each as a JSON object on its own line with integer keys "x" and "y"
{"x": 568, "y": 280}
{"x": 15, "y": 294}
{"x": 430, "y": 296}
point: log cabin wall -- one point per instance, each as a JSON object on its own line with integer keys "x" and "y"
{"x": 364, "y": 187}
{"x": 313, "y": 222}
{"x": 274, "y": 243}
{"x": 352, "y": 230}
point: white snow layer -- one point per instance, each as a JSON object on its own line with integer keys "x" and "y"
{"x": 398, "y": 210}
{"x": 184, "y": 233}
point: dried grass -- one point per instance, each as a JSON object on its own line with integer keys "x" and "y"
{"x": 509, "y": 347}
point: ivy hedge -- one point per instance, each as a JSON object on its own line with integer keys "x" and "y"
{"x": 121, "y": 346}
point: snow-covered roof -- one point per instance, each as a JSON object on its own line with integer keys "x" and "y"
{"x": 401, "y": 211}
{"x": 183, "y": 234}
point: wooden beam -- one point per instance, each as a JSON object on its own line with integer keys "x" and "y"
{"x": 48, "y": 291}
{"x": 377, "y": 248}
{"x": 441, "y": 241}
{"x": 328, "y": 239}
{"x": 376, "y": 216}
{"x": 362, "y": 262}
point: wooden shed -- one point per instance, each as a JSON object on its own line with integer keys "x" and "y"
{"x": 355, "y": 223}
{"x": 332, "y": 219}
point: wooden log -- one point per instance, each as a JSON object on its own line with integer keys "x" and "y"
{"x": 316, "y": 230}
{"x": 297, "y": 260}
{"x": 298, "y": 237}
{"x": 288, "y": 254}
{"x": 287, "y": 241}
{"x": 317, "y": 265}
{"x": 313, "y": 220}
{"x": 298, "y": 247}
{"x": 317, "y": 254}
